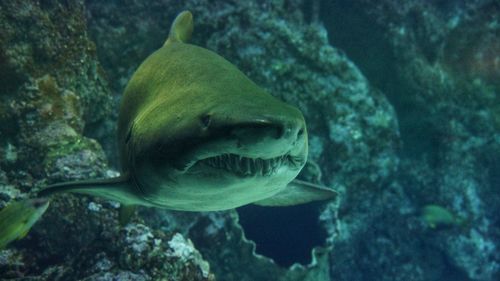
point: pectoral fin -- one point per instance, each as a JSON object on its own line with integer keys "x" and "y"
{"x": 120, "y": 189}
{"x": 23, "y": 233}
{"x": 298, "y": 192}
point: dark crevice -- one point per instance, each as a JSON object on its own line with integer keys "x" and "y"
{"x": 285, "y": 234}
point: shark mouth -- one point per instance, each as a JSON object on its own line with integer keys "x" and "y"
{"x": 246, "y": 166}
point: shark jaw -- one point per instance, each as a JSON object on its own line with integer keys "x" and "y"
{"x": 263, "y": 156}
{"x": 242, "y": 166}
{"x": 220, "y": 175}
{"x": 228, "y": 180}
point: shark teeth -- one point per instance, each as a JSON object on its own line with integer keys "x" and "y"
{"x": 249, "y": 166}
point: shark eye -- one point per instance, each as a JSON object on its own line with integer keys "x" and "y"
{"x": 205, "y": 120}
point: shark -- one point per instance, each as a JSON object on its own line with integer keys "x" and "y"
{"x": 196, "y": 134}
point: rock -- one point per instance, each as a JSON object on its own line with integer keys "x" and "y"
{"x": 53, "y": 101}
{"x": 121, "y": 275}
{"x": 159, "y": 257}
{"x": 405, "y": 116}
{"x": 438, "y": 75}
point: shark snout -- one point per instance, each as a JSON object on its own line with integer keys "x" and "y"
{"x": 262, "y": 129}
{"x": 269, "y": 137}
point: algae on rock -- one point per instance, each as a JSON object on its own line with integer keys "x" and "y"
{"x": 54, "y": 99}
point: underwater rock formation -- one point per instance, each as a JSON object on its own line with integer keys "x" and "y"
{"x": 135, "y": 252}
{"x": 402, "y": 112}
{"x": 53, "y": 97}
{"x": 435, "y": 61}
{"x": 353, "y": 133}
{"x": 50, "y": 79}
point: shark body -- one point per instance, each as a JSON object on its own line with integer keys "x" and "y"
{"x": 196, "y": 134}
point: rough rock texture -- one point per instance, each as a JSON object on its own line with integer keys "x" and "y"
{"x": 135, "y": 252}
{"x": 222, "y": 241}
{"x": 437, "y": 63}
{"x": 53, "y": 97}
{"x": 434, "y": 61}
{"x": 50, "y": 77}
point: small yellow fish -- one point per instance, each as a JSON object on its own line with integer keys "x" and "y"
{"x": 25, "y": 213}
{"x": 435, "y": 216}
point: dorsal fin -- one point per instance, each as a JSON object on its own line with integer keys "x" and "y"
{"x": 181, "y": 28}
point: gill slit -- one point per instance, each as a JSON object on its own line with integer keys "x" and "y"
{"x": 131, "y": 166}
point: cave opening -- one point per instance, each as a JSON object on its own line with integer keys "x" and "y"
{"x": 285, "y": 234}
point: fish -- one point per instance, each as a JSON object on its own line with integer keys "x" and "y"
{"x": 17, "y": 218}
{"x": 437, "y": 216}
{"x": 196, "y": 134}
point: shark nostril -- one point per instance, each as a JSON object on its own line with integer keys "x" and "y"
{"x": 280, "y": 131}
{"x": 291, "y": 131}
{"x": 262, "y": 130}
{"x": 300, "y": 132}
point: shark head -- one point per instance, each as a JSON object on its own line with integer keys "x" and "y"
{"x": 220, "y": 135}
